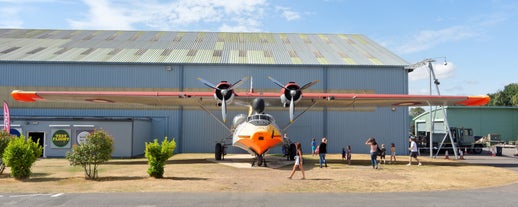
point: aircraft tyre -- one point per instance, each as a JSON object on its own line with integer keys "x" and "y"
{"x": 259, "y": 160}
{"x": 477, "y": 149}
{"x": 218, "y": 152}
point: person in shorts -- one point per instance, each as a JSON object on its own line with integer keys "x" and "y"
{"x": 413, "y": 152}
{"x": 298, "y": 162}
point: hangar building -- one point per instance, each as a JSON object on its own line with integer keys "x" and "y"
{"x": 483, "y": 120}
{"x": 33, "y": 59}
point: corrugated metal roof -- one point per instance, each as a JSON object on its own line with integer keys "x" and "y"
{"x": 171, "y": 47}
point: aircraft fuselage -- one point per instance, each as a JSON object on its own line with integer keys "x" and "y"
{"x": 257, "y": 134}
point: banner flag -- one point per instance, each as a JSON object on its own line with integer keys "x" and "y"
{"x": 7, "y": 120}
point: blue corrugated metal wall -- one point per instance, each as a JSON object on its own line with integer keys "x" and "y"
{"x": 196, "y": 131}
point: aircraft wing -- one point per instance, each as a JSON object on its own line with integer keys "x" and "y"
{"x": 389, "y": 100}
{"x": 152, "y": 98}
{"x": 333, "y": 100}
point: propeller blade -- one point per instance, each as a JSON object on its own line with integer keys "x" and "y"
{"x": 292, "y": 108}
{"x": 273, "y": 133}
{"x": 238, "y": 83}
{"x": 207, "y": 83}
{"x": 276, "y": 82}
{"x": 224, "y": 110}
{"x": 309, "y": 84}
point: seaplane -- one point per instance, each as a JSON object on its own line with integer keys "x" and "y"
{"x": 255, "y": 132}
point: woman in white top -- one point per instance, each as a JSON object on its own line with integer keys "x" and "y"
{"x": 298, "y": 161}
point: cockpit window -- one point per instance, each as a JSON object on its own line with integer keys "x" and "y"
{"x": 259, "y": 117}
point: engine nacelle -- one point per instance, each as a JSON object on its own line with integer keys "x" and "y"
{"x": 290, "y": 90}
{"x": 223, "y": 92}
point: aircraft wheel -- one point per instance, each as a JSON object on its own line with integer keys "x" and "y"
{"x": 218, "y": 152}
{"x": 259, "y": 160}
{"x": 477, "y": 150}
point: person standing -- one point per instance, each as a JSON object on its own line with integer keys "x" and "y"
{"x": 413, "y": 152}
{"x": 298, "y": 161}
{"x": 393, "y": 152}
{"x": 313, "y": 146}
{"x": 382, "y": 154}
{"x": 322, "y": 150}
{"x": 348, "y": 154}
{"x": 373, "y": 151}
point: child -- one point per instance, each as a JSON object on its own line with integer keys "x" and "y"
{"x": 382, "y": 154}
{"x": 349, "y": 154}
{"x": 393, "y": 152}
{"x": 343, "y": 153}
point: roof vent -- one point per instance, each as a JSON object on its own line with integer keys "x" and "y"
{"x": 10, "y": 50}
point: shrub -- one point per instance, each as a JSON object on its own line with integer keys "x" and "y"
{"x": 20, "y": 154}
{"x": 96, "y": 149}
{"x": 5, "y": 137}
{"x": 157, "y": 154}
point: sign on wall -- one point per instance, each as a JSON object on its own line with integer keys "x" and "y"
{"x": 60, "y": 138}
{"x": 81, "y": 134}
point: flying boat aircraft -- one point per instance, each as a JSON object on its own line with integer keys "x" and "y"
{"x": 256, "y": 132}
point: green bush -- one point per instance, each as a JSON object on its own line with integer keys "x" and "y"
{"x": 20, "y": 154}
{"x": 157, "y": 154}
{"x": 5, "y": 137}
{"x": 96, "y": 149}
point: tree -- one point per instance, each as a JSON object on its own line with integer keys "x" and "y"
{"x": 415, "y": 111}
{"x": 157, "y": 154}
{"x": 20, "y": 154}
{"x": 506, "y": 97}
{"x": 96, "y": 149}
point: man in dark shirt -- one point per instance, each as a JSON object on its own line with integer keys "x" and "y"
{"x": 322, "y": 152}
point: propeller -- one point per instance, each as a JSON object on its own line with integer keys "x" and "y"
{"x": 309, "y": 84}
{"x": 293, "y": 92}
{"x": 224, "y": 92}
{"x": 207, "y": 83}
{"x": 277, "y": 82}
{"x": 292, "y": 109}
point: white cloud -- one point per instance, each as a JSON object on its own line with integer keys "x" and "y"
{"x": 441, "y": 72}
{"x": 429, "y": 38}
{"x": 288, "y": 13}
{"x": 103, "y": 14}
{"x": 242, "y": 15}
{"x": 10, "y": 17}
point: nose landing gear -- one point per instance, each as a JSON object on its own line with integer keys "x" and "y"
{"x": 259, "y": 160}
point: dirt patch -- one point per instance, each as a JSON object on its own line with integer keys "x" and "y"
{"x": 199, "y": 173}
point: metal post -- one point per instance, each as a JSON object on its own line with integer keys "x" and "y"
{"x": 431, "y": 117}
{"x": 446, "y": 124}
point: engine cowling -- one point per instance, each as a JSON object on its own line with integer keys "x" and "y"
{"x": 224, "y": 92}
{"x": 290, "y": 90}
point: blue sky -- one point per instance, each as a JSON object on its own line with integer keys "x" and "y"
{"x": 477, "y": 37}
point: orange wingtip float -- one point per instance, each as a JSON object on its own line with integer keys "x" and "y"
{"x": 25, "y": 96}
{"x": 475, "y": 101}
